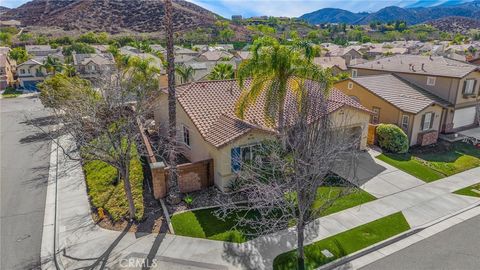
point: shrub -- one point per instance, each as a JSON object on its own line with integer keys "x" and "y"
{"x": 392, "y": 138}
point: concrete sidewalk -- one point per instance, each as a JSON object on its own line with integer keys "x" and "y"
{"x": 83, "y": 244}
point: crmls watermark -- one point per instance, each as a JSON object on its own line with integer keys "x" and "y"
{"x": 137, "y": 262}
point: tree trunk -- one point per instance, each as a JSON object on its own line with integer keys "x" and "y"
{"x": 172, "y": 117}
{"x": 128, "y": 190}
{"x": 300, "y": 252}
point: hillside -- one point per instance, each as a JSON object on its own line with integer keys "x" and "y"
{"x": 332, "y": 15}
{"x": 110, "y": 16}
{"x": 455, "y": 24}
{"x": 3, "y": 10}
{"x": 412, "y": 15}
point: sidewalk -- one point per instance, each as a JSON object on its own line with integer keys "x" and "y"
{"x": 82, "y": 243}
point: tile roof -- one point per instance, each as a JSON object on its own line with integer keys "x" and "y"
{"x": 400, "y": 93}
{"x": 215, "y": 55}
{"x": 433, "y": 65}
{"x": 328, "y": 62}
{"x": 97, "y": 58}
{"x": 211, "y": 104}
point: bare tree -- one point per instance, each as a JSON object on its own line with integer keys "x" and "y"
{"x": 173, "y": 192}
{"x": 102, "y": 121}
{"x": 281, "y": 181}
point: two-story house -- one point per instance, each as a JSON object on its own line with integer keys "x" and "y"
{"x": 454, "y": 81}
{"x": 32, "y": 71}
{"x": 41, "y": 50}
{"x": 7, "y": 69}
{"x": 91, "y": 66}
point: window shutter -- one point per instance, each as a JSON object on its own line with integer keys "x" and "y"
{"x": 235, "y": 155}
{"x": 431, "y": 120}
{"x": 423, "y": 122}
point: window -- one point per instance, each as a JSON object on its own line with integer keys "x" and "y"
{"x": 241, "y": 155}
{"x": 405, "y": 122}
{"x": 350, "y": 85}
{"x": 22, "y": 71}
{"x": 354, "y": 73}
{"x": 469, "y": 87}
{"x": 427, "y": 122}
{"x": 92, "y": 67}
{"x": 431, "y": 81}
{"x": 376, "y": 115}
{"x": 186, "y": 136}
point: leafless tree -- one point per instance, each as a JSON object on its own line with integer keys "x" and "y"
{"x": 281, "y": 181}
{"x": 173, "y": 192}
{"x": 102, "y": 121}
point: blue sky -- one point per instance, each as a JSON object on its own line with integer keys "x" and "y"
{"x": 290, "y": 8}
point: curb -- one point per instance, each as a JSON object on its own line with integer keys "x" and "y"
{"x": 167, "y": 216}
{"x": 359, "y": 254}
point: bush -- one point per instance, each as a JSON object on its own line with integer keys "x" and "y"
{"x": 392, "y": 138}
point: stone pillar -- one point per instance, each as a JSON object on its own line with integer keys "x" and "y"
{"x": 158, "y": 180}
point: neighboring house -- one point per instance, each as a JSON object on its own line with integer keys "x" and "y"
{"x": 7, "y": 70}
{"x": 453, "y": 81}
{"x": 41, "y": 50}
{"x": 217, "y": 47}
{"x": 129, "y": 50}
{"x": 209, "y": 128}
{"x": 203, "y": 68}
{"x": 155, "y": 61}
{"x": 243, "y": 55}
{"x": 158, "y": 48}
{"x": 184, "y": 51}
{"x": 215, "y": 56}
{"x": 336, "y": 63}
{"x": 100, "y": 48}
{"x": 396, "y": 101}
{"x": 92, "y": 66}
{"x": 31, "y": 72}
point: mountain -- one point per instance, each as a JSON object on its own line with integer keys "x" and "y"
{"x": 3, "y": 10}
{"x": 412, "y": 15}
{"x": 110, "y": 16}
{"x": 332, "y": 15}
{"x": 455, "y": 24}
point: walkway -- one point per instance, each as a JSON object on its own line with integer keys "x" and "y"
{"x": 84, "y": 244}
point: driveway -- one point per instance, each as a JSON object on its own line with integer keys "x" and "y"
{"x": 472, "y": 133}
{"x": 375, "y": 176}
{"x": 25, "y": 158}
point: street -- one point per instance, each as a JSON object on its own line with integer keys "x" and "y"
{"x": 25, "y": 157}
{"x": 457, "y": 248}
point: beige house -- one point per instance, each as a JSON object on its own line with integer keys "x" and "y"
{"x": 453, "y": 81}
{"x": 209, "y": 128}
{"x": 395, "y": 101}
{"x": 7, "y": 69}
{"x": 93, "y": 65}
{"x": 336, "y": 63}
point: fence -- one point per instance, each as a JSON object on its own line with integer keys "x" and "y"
{"x": 372, "y": 134}
{"x": 191, "y": 176}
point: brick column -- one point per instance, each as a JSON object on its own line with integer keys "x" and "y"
{"x": 158, "y": 180}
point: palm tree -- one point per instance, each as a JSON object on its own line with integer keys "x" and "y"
{"x": 173, "y": 193}
{"x": 185, "y": 73}
{"x": 222, "y": 71}
{"x": 69, "y": 70}
{"x": 273, "y": 68}
{"x": 52, "y": 65}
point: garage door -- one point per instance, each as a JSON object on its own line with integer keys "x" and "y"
{"x": 463, "y": 117}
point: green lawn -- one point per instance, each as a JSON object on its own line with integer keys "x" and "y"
{"x": 345, "y": 243}
{"x": 11, "y": 93}
{"x": 204, "y": 224}
{"x": 436, "y": 163}
{"x": 468, "y": 191}
{"x": 105, "y": 194}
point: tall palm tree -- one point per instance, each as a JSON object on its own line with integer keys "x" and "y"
{"x": 52, "y": 65}
{"x": 185, "y": 73}
{"x": 173, "y": 193}
{"x": 222, "y": 71}
{"x": 273, "y": 68}
{"x": 69, "y": 70}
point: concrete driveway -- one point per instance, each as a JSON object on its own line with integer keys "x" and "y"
{"x": 25, "y": 159}
{"x": 375, "y": 176}
{"x": 472, "y": 133}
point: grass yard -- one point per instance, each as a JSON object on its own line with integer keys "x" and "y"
{"x": 436, "y": 163}
{"x": 468, "y": 191}
{"x": 345, "y": 243}
{"x": 204, "y": 224}
{"x": 11, "y": 93}
{"x": 105, "y": 194}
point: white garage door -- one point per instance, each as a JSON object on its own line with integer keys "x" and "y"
{"x": 463, "y": 117}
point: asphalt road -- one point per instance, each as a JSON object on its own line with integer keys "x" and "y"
{"x": 457, "y": 248}
{"x": 25, "y": 159}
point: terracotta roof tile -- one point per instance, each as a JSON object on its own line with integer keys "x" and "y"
{"x": 211, "y": 104}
